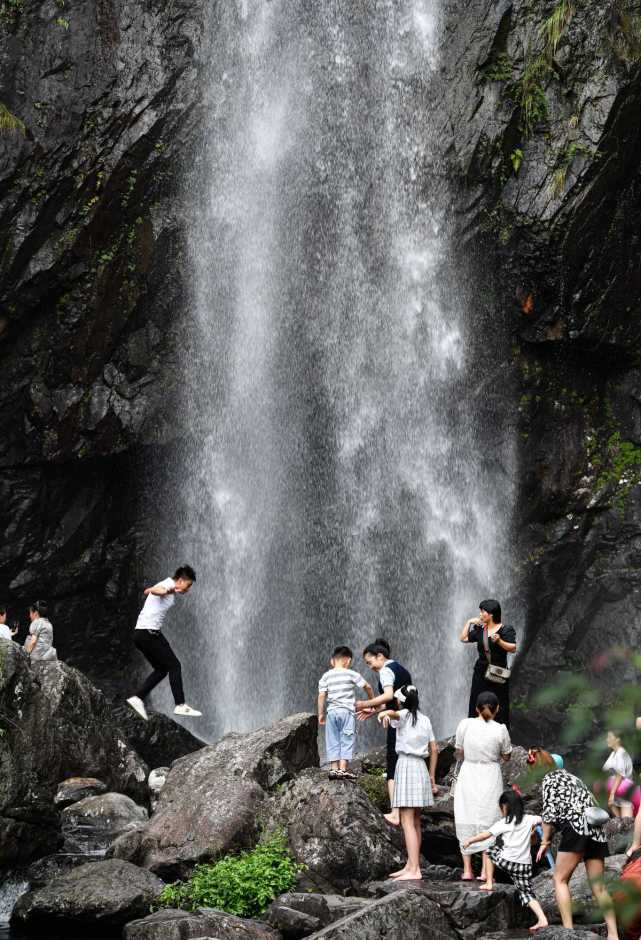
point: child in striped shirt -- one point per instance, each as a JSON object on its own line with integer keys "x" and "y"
{"x": 336, "y": 690}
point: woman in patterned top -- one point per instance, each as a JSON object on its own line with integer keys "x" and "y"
{"x": 565, "y": 800}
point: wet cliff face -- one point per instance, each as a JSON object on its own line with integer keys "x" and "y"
{"x": 91, "y": 288}
{"x": 541, "y": 107}
{"x": 539, "y": 103}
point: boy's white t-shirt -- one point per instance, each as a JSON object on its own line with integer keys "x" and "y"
{"x": 156, "y": 608}
{"x": 413, "y": 739}
{"x": 339, "y": 684}
{"x": 516, "y": 839}
{"x": 5, "y": 632}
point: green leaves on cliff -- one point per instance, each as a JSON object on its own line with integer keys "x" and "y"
{"x": 555, "y": 25}
{"x": 528, "y": 93}
{"x": 9, "y": 123}
{"x": 243, "y": 884}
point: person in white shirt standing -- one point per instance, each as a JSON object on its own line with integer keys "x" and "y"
{"x": 5, "y": 632}
{"x": 149, "y": 639}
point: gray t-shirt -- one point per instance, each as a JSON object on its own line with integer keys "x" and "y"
{"x": 43, "y": 631}
{"x": 339, "y": 684}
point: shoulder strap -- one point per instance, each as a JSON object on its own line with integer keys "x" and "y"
{"x": 486, "y": 644}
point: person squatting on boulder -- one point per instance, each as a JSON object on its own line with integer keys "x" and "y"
{"x": 413, "y": 788}
{"x": 512, "y": 852}
{"x": 565, "y": 802}
{"x": 482, "y": 744}
{"x": 336, "y": 689}
{"x": 149, "y": 639}
{"x": 5, "y": 632}
{"x": 391, "y": 677}
{"x": 39, "y": 642}
{"x": 494, "y": 640}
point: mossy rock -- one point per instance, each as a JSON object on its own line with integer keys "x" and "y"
{"x": 375, "y": 785}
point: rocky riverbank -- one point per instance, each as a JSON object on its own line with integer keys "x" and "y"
{"x": 102, "y": 844}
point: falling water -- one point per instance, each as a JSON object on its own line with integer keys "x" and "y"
{"x": 337, "y": 489}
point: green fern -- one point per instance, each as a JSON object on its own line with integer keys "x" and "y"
{"x": 556, "y": 24}
{"x": 9, "y": 123}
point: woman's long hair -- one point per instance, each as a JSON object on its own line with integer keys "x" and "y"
{"x": 515, "y": 806}
{"x": 487, "y": 705}
{"x": 409, "y": 700}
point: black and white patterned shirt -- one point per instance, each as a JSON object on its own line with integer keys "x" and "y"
{"x": 565, "y": 800}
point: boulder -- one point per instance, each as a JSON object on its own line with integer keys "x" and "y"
{"x": 406, "y": 914}
{"x": 91, "y": 825}
{"x": 334, "y": 830}
{"x": 619, "y": 835}
{"x": 102, "y": 896}
{"x": 204, "y": 924}
{"x": 440, "y": 845}
{"x": 297, "y": 914}
{"x": 77, "y": 788}
{"x": 579, "y": 888}
{"x": 156, "y": 780}
{"x": 160, "y": 740}
{"x": 210, "y": 802}
{"x": 469, "y": 910}
{"x": 57, "y": 725}
{"x": 550, "y": 933}
{"x": 52, "y": 866}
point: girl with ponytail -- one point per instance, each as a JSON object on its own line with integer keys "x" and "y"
{"x": 413, "y": 788}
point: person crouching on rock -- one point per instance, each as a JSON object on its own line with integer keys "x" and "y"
{"x": 154, "y": 647}
{"x": 413, "y": 787}
{"x": 39, "y": 642}
{"x": 512, "y": 851}
{"x": 336, "y": 689}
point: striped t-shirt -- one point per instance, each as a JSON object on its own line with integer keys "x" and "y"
{"x": 339, "y": 684}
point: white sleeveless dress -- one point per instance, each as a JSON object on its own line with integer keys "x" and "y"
{"x": 479, "y": 784}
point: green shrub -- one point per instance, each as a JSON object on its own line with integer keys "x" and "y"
{"x": 375, "y": 785}
{"x": 529, "y": 94}
{"x": 499, "y": 69}
{"x": 243, "y": 884}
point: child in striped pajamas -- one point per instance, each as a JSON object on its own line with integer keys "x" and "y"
{"x": 512, "y": 851}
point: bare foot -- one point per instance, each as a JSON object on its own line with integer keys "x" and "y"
{"x": 488, "y": 886}
{"x": 397, "y": 874}
{"x": 392, "y": 819}
{"x": 481, "y": 878}
{"x": 410, "y": 876}
{"x": 538, "y": 926}
{"x": 467, "y": 877}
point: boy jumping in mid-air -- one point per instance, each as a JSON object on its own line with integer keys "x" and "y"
{"x": 336, "y": 688}
{"x": 155, "y": 648}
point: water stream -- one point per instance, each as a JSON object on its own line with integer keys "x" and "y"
{"x": 338, "y": 487}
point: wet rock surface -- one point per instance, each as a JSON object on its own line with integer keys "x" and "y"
{"x": 179, "y": 925}
{"x": 103, "y": 896}
{"x": 57, "y": 725}
{"x": 406, "y": 913}
{"x": 92, "y": 825}
{"x": 212, "y": 800}
{"x": 77, "y": 788}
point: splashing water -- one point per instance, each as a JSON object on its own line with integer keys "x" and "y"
{"x": 336, "y": 489}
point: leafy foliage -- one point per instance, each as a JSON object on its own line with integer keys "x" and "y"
{"x": 9, "y": 123}
{"x": 10, "y": 11}
{"x": 516, "y": 159}
{"x": 243, "y": 884}
{"x": 499, "y": 69}
{"x": 375, "y": 785}
{"x": 556, "y": 24}
{"x": 529, "y": 93}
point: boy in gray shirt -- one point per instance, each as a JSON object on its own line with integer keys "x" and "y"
{"x": 336, "y": 690}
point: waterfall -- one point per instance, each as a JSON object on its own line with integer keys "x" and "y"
{"x": 338, "y": 487}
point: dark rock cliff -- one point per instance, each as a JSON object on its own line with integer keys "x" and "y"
{"x": 91, "y": 242}
{"x": 541, "y": 112}
{"x": 539, "y": 109}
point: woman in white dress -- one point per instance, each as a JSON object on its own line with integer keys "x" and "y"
{"x": 482, "y": 743}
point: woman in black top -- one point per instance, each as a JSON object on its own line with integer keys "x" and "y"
{"x": 501, "y": 641}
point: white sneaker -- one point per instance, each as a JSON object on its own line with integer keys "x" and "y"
{"x": 138, "y": 706}
{"x": 187, "y": 711}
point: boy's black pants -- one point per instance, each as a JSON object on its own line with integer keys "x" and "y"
{"x": 159, "y": 654}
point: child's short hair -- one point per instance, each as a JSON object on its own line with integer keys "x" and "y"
{"x": 185, "y": 571}
{"x": 343, "y": 652}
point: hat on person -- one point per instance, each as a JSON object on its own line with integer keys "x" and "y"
{"x": 558, "y": 760}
